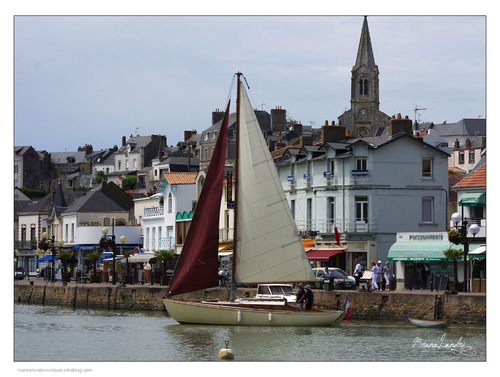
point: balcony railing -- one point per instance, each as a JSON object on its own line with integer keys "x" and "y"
{"x": 153, "y": 212}
{"x": 25, "y": 245}
{"x": 328, "y": 226}
{"x": 166, "y": 243}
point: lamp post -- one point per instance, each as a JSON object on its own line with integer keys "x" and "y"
{"x": 105, "y": 232}
{"x": 45, "y": 235}
{"x": 474, "y": 229}
{"x": 123, "y": 239}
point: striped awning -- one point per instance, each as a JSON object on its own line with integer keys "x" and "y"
{"x": 419, "y": 251}
{"x": 472, "y": 200}
{"x": 426, "y": 250}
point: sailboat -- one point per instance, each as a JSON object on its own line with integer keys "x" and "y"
{"x": 267, "y": 247}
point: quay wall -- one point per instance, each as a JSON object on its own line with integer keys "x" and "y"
{"x": 398, "y": 305}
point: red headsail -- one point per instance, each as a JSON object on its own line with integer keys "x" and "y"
{"x": 197, "y": 267}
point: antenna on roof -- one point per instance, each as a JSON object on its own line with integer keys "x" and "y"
{"x": 137, "y": 131}
{"x": 417, "y": 109}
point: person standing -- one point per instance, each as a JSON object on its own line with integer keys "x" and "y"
{"x": 387, "y": 275}
{"x": 300, "y": 296}
{"x": 380, "y": 279}
{"x": 357, "y": 273}
{"x": 309, "y": 297}
{"x": 375, "y": 287}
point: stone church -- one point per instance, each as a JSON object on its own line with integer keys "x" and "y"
{"x": 364, "y": 118}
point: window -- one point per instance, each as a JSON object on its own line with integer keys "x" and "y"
{"x": 471, "y": 157}
{"x": 119, "y": 165}
{"x": 169, "y": 202}
{"x": 332, "y": 165}
{"x": 134, "y": 163}
{"x": 330, "y": 210}
{"x": 106, "y": 221}
{"x": 427, "y": 167}
{"x": 427, "y": 209}
{"x": 461, "y": 157}
{"x": 362, "y": 209}
{"x": 361, "y": 163}
{"x": 205, "y": 154}
{"x": 72, "y": 231}
{"x": 126, "y": 164}
{"x": 363, "y": 86}
{"x": 32, "y": 233}
{"x": 66, "y": 232}
{"x": 16, "y": 169}
{"x": 309, "y": 215}
{"x": 292, "y": 208}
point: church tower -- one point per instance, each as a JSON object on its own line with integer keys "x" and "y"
{"x": 364, "y": 117}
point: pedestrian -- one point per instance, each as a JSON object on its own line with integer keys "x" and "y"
{"x": 387, "y": 275}
{"x": 309, "y": 297}
{"x": 300, "y": 298}
{"x": 221, "y": 277}
{"x": 380, "y": 277}
{"x": 357, "y": 273}
{"x": 375, "y": 269}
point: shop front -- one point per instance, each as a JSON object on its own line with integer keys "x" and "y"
{"x": 420, "y": 260}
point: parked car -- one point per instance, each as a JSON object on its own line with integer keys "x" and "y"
{"x": 341, "y": 280}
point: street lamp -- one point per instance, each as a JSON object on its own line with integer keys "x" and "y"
{"x": 45, "y": 236}
{"x": 110, "y": 242}
{"x": 474, "y": 229}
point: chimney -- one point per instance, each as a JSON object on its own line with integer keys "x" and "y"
{"x": 305, "y": 140}
{"x": 188, "y": 134}
{"x": 278, "y": 119}
{"x": 398, "y": 124}
{"x": 217, "y": 115}
{"x": 457, "y": 144}
{"x": 297, "y": 128}
{"x": 88, "y": 149}
{"x": 124, "y": 140}
{"x": 467, "y": 143}
{"x": 332, "y": 133}
{"x": 115, "y": 148}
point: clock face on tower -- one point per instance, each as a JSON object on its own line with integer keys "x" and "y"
{"x": 362, "y": 111}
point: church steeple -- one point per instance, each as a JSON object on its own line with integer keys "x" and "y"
{"x": 365, "y": 51}
{"x": 364, "y": 118}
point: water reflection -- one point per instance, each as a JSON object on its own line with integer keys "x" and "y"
{"x": 101, "y": 335}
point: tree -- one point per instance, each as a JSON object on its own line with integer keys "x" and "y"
{"x": 99, "y": 176}
{"x": 163, "y": 256}
{"x": 94, "y": 256}
{"x": 455, "y": 255}
{"x": 65, "y": 256}
{"x": 129, "y": 183}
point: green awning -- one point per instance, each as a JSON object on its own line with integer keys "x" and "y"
{"x": 473, "y": 200}
{"x": 420, "y": 251}
{"x": 426, "y": 251}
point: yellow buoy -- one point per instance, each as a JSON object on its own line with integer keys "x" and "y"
{"x": 226, "y": 354}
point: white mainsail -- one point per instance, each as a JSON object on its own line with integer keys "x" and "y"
{"x": 269, "y": 248}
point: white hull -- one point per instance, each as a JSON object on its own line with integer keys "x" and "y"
{"x": 226, "y": 314}
{"x": 428, "y": 322}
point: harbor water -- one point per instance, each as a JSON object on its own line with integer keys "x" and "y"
{"x": 61, "y": 334}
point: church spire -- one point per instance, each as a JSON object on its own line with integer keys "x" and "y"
{"x": 365, "y": 52}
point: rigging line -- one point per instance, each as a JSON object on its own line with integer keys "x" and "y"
{"x": 230, "y": 89}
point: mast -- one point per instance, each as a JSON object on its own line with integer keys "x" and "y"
{"x": 236, "y": 175}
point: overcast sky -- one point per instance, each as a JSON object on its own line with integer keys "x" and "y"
{"x": 93, "y": 79}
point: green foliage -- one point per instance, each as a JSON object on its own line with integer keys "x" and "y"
{"x": 454, "y": 254}
{"x": 65, "y": 255}
{"x": 99, "y": 176}
{"x": 120, "y": 222}
{"x": 455, "y": 236}
{"x": 164, "y": 255}
{"x": 93, "y": 256}
{"x": 33, "y": 193}
{"x": 105, "y": 242}
{"x": 129, "y": 183}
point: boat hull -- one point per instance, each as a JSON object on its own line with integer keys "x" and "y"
{"x": 219, "y": 313}
{"x": 428, "y": 322}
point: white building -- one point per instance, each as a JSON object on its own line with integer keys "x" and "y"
{"x": 159, "y": 220}
{"x": 369, "y": 189}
